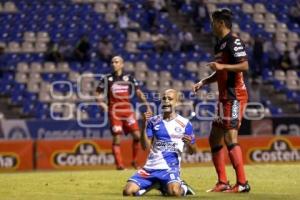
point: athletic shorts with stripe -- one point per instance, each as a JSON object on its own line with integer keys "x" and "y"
{"x": 230, "y": 114}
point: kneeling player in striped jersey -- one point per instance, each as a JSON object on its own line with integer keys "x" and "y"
{"x": 165, "y": 135}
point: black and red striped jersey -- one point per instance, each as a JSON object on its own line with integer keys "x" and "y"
{"x": 231, "y": 50}
{"x": 118, "y": 89}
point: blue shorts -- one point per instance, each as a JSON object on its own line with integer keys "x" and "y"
{"x": 147, "y": 178}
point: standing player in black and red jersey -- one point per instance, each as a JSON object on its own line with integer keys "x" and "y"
{"x": 118, "y": 88}
{"x": 229, "y": 65}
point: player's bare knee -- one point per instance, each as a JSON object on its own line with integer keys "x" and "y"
{"x": 126, "y": 192}
{"x": 116, "y": 139}
{"x": 174, "y": 190}
{"x": 136, "y": 136}
{"x": 129, "y": 191}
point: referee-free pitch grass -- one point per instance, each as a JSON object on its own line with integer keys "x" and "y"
{"x": 267, "y": 181}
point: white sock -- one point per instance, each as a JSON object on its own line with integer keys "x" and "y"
{"x": 140, "y": 192}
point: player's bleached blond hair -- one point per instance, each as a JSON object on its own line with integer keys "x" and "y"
{"x": 177, "y": 93}
{"x": 119, "y": 58}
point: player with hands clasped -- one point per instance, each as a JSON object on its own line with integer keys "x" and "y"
{"x": 165, "y": 135}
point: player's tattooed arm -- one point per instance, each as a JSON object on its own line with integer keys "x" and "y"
{"x": 146, "y": 142}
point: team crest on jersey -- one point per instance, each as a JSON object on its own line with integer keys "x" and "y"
{"x": 223, "y": 45}
{"x": 125, "y": 78}
{"x": 178, "y": 129}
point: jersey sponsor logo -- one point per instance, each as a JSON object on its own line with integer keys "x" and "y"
{"x": 165, "y": 146}
{"x": 83, "y": 155}
{"x": 9, "y": 161}
{"x": 240, "y": 54}
{"x": 237, "y": 42}
{"x": 176, "y": 136}
{"x": 117, "y": 88}
{"x": 235, "y": 110}
{"x": 238, "y": 48}
{"x": 280, "y": 150}
{"x": 223, "y": 46}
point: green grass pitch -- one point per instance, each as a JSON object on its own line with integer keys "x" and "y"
{"x": 268, "y": 182}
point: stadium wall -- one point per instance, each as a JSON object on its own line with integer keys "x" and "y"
{"x": 64, "y": 145}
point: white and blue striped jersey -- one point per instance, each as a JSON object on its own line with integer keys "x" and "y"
{"x": 167, "y": 145}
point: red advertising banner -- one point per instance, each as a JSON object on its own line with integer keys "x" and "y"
{"x": 260, "y": 149}
{"x": 80, "y": 154}
{"x": 271, "y": 149}
{"x": 90, "y": 154}
{"x": 16, "y": 155}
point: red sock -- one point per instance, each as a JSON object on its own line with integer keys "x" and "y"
{"x": 117, "y": 154}
{"x": 236, "y": 158}
{"x": 135, "y": 149}
{"x": 218, "y": 157}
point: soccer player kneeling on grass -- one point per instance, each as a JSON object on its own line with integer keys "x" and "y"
{"x": 165, "y": 135}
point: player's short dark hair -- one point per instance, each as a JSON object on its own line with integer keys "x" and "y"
{"x": 225, "y": 15}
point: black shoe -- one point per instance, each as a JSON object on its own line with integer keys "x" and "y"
{"x": 160, "y": 188}
{"x": 121, "y": 168}
{"x": 190, "y": 190}
{"x": 135, "y": 165}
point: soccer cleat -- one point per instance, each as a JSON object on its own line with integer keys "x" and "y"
{"x": 220, "y": 187}
{"x": 239, "y": 188}
{"x": 162, "y": 190}
{"x": 190, "y": 190}
{"x": 120, "y": 168}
